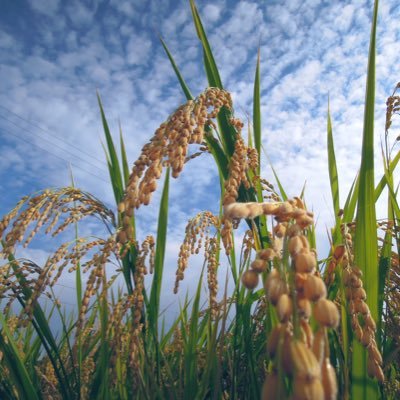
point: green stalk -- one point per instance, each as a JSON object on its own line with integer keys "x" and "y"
{"x": 19, "y": 374}
{"x": 333, "y": 176}
{"x": 366, "y": 246}
{"x": 154, "y": 304}
{"x": 257, "y": 111}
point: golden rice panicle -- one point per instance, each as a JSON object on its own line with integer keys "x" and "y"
{"x": 392, "y": 107}
{"x": 237, "y": 176}
{"x": 339, "y": 254}
{"x": 247, "y": 244}
{"x": 67, "y": 205}
{"x": 272, "y": 387}
{"x": 267, "y": 187}
{"x": 252, "y": 157}
{"x": 43, "y": 281}
{"x": 250, "y": 279}
{"x": 117, "y": 330}
{"x": 97, "y": 277}
{"x": 275, "y": 286}
{"x": 197, "y": 232}
{"x": 282, "y": 211}
{"x": 226, "y": 234}
{"x": 297, "y": 291}
{"x": 212, "y": 280}
{"x": 135, "y": 341}
{"x": 169, "y": 146}
{"x": 358, "y": 308}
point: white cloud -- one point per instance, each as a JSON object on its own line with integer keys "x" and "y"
{"x": 47, "y": 7}
{"x": 212, "y": 12}
{"x": 79, "y": 15}
{"x": 138, "y": 50}
{"x": 7, "y": 41}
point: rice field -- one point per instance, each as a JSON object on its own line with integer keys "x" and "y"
{"x": 295, "y": 324}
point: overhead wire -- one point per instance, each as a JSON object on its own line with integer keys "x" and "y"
{"x": 53, "y": 134}
{"x": 53, "y": 144}
{"x": 54, "y": 155}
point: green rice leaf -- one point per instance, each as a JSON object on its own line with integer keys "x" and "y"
{"x": 351, "y": 201}
{"x": 20, "y": 376}
{"x": 113, "y": 164}
{"x": 160, "y": 254}
{"x": 214, "y": 78}
{"x": 227, "y": 131}
{"x": 257, "y": 111}
{"x": 333, "y": 174}
{"x": 124, "y": 158}
{"x": 366, "y": 245}
{"x": 182, "y": 82}
{"x": 190, "y": 358}
{"x": 42, "y": 328}
{"x": 280, "y": 186}
{"x": 382, "y": 183}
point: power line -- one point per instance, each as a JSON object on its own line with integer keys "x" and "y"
{"x": 55, "y": 155}
{"x": 53, "y": 144}
{"x": 65, "y": 286}
{"x": 53, "y": 134}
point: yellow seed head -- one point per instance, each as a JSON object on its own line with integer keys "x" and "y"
{"x": 374, "y": 370}
{"x": 255, "y": 210}
{"x": 326, "y": 313}
{"x": 270, "y": 390}
{"x": 306, "y": 365}
{"x": 304, "y": 389}
{"x": 304, "y": 307}
{"x": 259, "y": 265}
{"x": 237, "y": 210}
{"x": 339, "y": 252}
{"x": 314, "y": 288}
{"x": 305, "y": 261}
{"x": 307, "y": 333}
{"x": 275, "y": 288}
{"x": 329, "y": 381}
{"x": 279, "y": 230}
{"x": 284, "y": 308}
{"x": 250, "y": 279}
{"x": 266, "y": 254}
{"x": 296, "y": 244}
{"x": 318, "y": 346}
{"x": 279, "y": 332}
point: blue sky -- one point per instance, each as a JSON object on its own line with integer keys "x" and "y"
{"x": 55, "y": 54}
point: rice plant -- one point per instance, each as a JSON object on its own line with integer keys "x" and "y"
{"x": 322, "y": 327}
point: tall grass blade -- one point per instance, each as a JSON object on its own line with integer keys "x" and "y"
{"x": 257, "y": 111}
{"x": 20, "y": 376}
{"x": 366, "y": 245}
{"x": 349, "y": 208}
{"x": 160, "y": 255}
{"x": 182, "y": 82}
{"x": 382, "y": 183}
{"x": 190, "y": 357}
{"x": 100, "y": 383}
{"x": 214, "y": 80}
{"x": 124, "y": 158}
{"x": 113, "y": 165}
{"x": 333, "y": 176}
{"x": 42, "y": 328}
{"x": 261, "y": 221}
{"x": 280, "y": 186}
